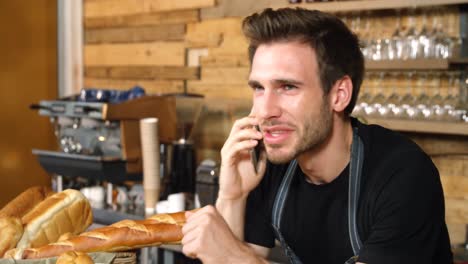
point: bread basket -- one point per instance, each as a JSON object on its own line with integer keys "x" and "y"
{"x": 98, "y": 258}
{"x": 125, "y": 258}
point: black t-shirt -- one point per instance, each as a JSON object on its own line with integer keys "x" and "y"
{"x": 401, "y": 214}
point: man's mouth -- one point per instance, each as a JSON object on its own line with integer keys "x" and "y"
{"x": 278, "y": 134}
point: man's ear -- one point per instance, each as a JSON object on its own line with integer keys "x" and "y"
{"x": 341, "y": 94}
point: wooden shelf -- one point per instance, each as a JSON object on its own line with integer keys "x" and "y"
{"x": 416, "y": 64}
{"x": 242, "y": 8}
{"x": 430, "y": 127}
{"x": 360, "y": 5}
{"x": 459, "y": 61}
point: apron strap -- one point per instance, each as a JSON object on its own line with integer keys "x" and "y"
{"x": 283, "y": 193}
{"x": 355, "y": 171}
{"x": 278, "y": 206}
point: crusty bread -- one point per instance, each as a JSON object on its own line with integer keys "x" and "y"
{"x": 11, "y": 214}
{"x": 25, "y": 201}
{"x": 12, "y": 229}
{"x": 123, "y": 235}
{"x": 73, "y": 257}
{"x": 65, "y": 236}
{"x": 67, "y": 211}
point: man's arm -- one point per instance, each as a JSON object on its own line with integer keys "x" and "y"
{"x": 233, "y": 212}
{"x": 216, "y": 235}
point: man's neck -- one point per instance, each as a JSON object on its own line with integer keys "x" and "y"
{"x": 324, "y": 164}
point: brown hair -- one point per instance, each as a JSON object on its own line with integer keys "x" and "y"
{"x": 337, "y": 48}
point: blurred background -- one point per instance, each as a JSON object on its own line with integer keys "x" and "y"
{"x": 28, "y": 73}
{"x": 416, "y": 82}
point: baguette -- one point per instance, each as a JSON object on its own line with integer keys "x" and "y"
{"x": 67, "y": 211}
{"x": 11, "y": 214}
{"x": 120, "y": 236}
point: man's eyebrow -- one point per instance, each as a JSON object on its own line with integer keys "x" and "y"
{"x": 254, "y": 83}
{"x": 287, "y": 81}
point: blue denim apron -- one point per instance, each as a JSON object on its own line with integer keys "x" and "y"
{"x": 355, "y": 169}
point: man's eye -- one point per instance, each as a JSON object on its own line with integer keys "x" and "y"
{"x": 257, "y": 88}
{"x": 288, "y": 87}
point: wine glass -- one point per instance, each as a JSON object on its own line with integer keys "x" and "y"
{"x": 365, "y": 38}
{"x": 419, "y": 106}
{"x": 394, "y": 98}
{"x": 423, "y": 39}
{"x": 370, "y": 106}
{"x": 449, "y": 41}
{"x": 411, "y": 41}
{"x": 378, "y": 44}
{"x": 396, "y": 42}
{"x": 407, "y": 101}
{"x": 379, "y": 100}
{"x": 437, "y": 100}
{"x": 435, "y": 35}
{"x": 423, "y": 99}
{"x": 451, "y": 100}
{"x": 365, "y": 97}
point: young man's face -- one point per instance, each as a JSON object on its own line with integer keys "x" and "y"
{"x": 288, "y": 99}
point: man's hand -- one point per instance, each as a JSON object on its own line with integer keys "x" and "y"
{"x": 237, "y": 174}
{"x": 208, "y": 238}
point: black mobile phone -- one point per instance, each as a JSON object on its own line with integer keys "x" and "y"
{"x": 256, "y": 152}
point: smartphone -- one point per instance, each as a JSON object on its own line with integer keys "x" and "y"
{"x": 255, "y": 154}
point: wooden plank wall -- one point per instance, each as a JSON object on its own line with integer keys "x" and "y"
{"x": 141, "y": 42}
{"x": 151, "y": 43}
{"x": 450, "y": 155}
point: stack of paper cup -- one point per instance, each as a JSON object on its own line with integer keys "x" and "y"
{"x": 176, "y": 202}
{"x": 150, "y": 153}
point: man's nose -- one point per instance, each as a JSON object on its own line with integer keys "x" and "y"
{"x": 267, "y": 106}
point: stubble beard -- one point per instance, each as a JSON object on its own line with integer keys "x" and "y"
{"x": 316, "y": 132}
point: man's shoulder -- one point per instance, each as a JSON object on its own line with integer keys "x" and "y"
{"x": 382, "y": 143}
{"x": 389, "y": 154}
{"x": 392, "y": 159}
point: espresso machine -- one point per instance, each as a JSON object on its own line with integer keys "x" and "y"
{"x": 100, "y": 139}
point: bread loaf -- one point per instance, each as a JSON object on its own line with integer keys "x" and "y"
{"x": 25, "y": 201}
{"x": 12, "y": 229}
{"x": 123, "y": 235}
{"x": 73, "y": 257}
{"x": 11, "y": 214}
{"x": 67, "y": 211}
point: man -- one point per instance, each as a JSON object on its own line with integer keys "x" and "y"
{"x": 306, "y": 70}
